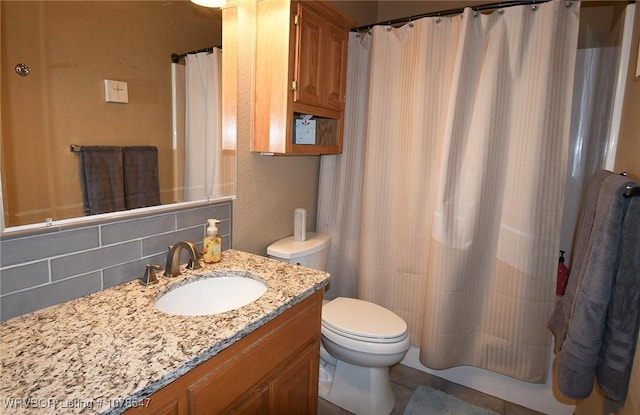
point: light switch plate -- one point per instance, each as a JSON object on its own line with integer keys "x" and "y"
{"x": 115, "y": 91}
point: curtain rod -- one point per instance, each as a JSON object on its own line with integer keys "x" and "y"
{"x": 449, "y": 12}
{"x": 175, "y": 58}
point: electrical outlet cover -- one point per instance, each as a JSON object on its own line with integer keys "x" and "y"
{"x": 115, "y": 91}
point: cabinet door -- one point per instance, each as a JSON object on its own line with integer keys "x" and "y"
{"x": 309, "y": 61}
{"x": 295, "y": 389}
{"x": 334, "y": 67}
{"x": 256, "y": 403}
{"x": 321, "y": 60}
{"x": 162, "y": 403}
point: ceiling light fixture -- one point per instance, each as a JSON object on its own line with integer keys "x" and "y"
{"x": 210, "y": 3}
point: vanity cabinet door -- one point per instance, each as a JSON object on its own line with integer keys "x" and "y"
{"x": 295, "y": 389}
{"x": 170, "y": 407}
{"x": 256, "y": 403}
{"x": 167, "y": 401}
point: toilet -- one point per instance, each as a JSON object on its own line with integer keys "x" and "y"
{"x": 360, "y": 340}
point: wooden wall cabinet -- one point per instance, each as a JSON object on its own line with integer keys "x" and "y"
{"x": 301, "y": 67}
{"x": 273, "y": 370}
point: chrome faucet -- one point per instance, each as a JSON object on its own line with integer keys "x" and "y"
{"x": 172, "y": 269}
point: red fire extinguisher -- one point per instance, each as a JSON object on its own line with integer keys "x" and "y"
{"x": 563, "y": 275}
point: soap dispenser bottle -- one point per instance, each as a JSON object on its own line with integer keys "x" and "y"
{"x": 563, "y": 275}
{"x": 212, "y": 243}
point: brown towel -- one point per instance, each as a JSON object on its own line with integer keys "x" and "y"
{"x": 141, "y": 184}
{"x": 102, "y": 179}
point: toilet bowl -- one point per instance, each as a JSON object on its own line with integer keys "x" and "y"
{"x": 359, "y": 341}
{"x": 362, "y": 340}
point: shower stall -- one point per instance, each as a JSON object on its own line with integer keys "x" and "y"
{"x": 602, "y": 63}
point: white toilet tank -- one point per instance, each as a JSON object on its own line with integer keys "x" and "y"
{"x": 311, "y": 253}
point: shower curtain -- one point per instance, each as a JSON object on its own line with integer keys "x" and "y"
{"x": 341, "y": 177}
{"x": 464, "y": 130}
{"x": 203, "y": 125}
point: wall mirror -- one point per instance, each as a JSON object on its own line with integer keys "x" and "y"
{"x": 58, "y": 60}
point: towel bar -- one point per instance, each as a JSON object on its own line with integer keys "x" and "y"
{"x": 632, "y": 191}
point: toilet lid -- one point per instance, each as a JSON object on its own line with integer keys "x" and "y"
{"x": 362, "y": 319}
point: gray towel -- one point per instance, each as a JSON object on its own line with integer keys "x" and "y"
{"x": 102, "y": 179}
{"x": 559, "y": 320}
{"x": 591, "y": 291}
{"x": 141, "y": 184}
{"x": 623, "y": 316}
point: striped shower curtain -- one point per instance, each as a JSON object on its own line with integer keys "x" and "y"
{"x": 458, "y": 139}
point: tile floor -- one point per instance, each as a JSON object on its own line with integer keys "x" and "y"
{"x": 405, "y": 380}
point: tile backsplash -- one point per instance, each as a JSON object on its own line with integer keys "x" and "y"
{"x": 41, "y": 269}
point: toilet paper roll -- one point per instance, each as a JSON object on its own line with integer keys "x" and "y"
{"x": 300, "y": 225}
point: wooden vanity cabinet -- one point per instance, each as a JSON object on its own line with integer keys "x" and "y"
{"x": 273, "y": 370}
{"x": 301, "y": 67}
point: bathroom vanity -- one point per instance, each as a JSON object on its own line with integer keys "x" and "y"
{"x": 113, "y": 352}
{"x": 273, "y": 370}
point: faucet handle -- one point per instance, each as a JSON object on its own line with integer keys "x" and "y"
{"x": 150, "y": 274}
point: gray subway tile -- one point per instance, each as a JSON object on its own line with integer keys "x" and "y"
{"x": 137, "y": 228}
{"x": 24, "y": 302}
{"x": 226, "y": 242}
{"x": 130, "y": 271}
{"x": 160, "y": 243}
{"x": 224, "y": 227}
{"x": 93, "y": 260}
{"x": 199, "y": 216}
{"x": 33, "y": 248}
{"x": 23, "y": 276}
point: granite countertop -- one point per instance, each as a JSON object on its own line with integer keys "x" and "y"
{"x": 110, "y": 350}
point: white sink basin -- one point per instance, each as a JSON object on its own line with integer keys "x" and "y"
{"x": 211, "y": 295}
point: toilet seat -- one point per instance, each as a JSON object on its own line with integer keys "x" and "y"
{"x": 362, "y": 321}
{"x": 364, "y": 349}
